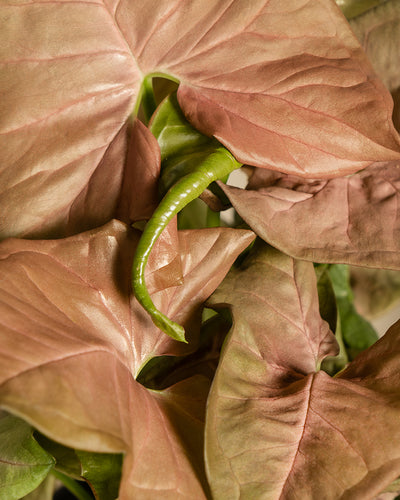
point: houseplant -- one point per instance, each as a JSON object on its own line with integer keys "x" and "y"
{"x": 287, "y": 91}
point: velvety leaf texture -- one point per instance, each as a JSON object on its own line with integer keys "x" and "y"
{"x": 72, "y": 339}
{"x": 338, "y": 220}
{"x": 283, "y": 85}
{"x": 277, "y": 428}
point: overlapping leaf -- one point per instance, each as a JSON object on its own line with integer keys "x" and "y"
{"x": 277, "y": 427}
{"x": 283, "y": 85}
{"x": 72, "y": 339}
{"x": 353, "y": 220}
{"x": 23, "y": 463}
{"x": 379, "y": 34}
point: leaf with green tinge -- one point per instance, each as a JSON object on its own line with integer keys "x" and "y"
{"x": 278, "y": 428}
{"x": 334, "y": 221}
{"x": 45, "y": 491}
{"x": 326, "y": 296}
{"x": 182, "y": 147}
{"x": 358, "y": 334}
{"x": 282, "y": 85}
{"x": 103, "y": 472}
{"x": 23, "y": 463}
{"x": 354, "y": 8}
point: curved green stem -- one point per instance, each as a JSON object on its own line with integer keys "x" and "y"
{"x": 217, "y": 165}
{"x": 72, "y": 486}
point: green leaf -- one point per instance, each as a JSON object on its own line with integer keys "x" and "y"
{"x": 174, "y": 133}
{"x": 101, "y": 470}
{"x": 23, "y": 463}
{"x": 354, "y": 8}
{"x": 358, "y": 334}
{"x": 326, "y": 296}
{"x": 67, "y": 461}
{"x": 44, "y": 491}
{"x": 103, "y": 473}
{"x": 182, "y": 147}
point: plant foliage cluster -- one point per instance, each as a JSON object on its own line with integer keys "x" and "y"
{"x": 162, "y": 355}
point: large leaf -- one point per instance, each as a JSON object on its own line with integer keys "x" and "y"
{"x": 285, "y": 86}
{"x": 23, "y": 463}
{"x": 276, "y": 426}
{"x": 72, "y": 339}
{"x": 337, "y": 221}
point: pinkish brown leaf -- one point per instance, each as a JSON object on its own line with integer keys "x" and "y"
{"x": 351, "y": 220}
{"x": 378, "y": 31}
{"x": 283, "y": 85}
{"x": 73, "y": 338}
{"x": 278, "y": 428}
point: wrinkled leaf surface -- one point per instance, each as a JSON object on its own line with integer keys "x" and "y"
{"x": 282, "y": 85}
{"x": 277, "y": 428}
{"x": 72, "y": 338}
{"x": 336, "y": 221}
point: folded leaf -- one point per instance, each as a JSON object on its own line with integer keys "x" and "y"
{"x": 139, "y": 198}
{"x": 278, "y": 428}
{"x": 23, "y": 463}
{"x": 283, "y": 86}
{"x": 336, "y": 221}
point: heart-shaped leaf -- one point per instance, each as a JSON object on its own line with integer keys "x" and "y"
{"x": 337, "y": 221}
{"x": 72, "y": 339}
{"x": 282, "y": 85}
{"x": 277, "y": 427}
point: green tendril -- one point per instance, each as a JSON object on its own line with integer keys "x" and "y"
{"x": 217, "y": 165}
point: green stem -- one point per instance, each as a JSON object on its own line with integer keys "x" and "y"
{"x": 213, "y": 219}
{"x": 217, "y": 165}
{"x": 72, "y": 486}
{"x": 148, "y": 101}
